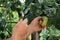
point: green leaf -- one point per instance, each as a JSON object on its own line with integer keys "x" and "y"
{"x": 9, "y": 27}
{"x": 0, "y": 15}
{"x": 33, "y": 8}
{"x": 58, "y": 1}
{"x": 2, "y": 35}
{"x": 28, "y": 2}
{"x": 58, "y": 19}
{"x": 3, "y": 22}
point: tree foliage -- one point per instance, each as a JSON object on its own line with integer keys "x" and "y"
{"x": 12, "y": 10}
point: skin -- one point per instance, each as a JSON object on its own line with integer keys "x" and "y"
{"x": 22, "y": 30}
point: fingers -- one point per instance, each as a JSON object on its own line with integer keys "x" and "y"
{"x": 38, "y": 18}
{"x": 21, "y": 20}
{"x": 25, "y": 20}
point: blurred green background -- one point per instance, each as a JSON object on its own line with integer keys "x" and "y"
{"x": 11, "y": 11}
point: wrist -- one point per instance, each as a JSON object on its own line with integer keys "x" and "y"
{"x": 15, "y": 37}
{"x": 30, "y": 29}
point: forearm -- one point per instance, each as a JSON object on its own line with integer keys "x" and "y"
{"x": 15, "y": 38}
{"x": 30, "y": 31}
{"x": 18, "y": 37}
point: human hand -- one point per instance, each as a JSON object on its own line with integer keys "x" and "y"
{"x": 35, "y": 26}
{"x": 20, "y": 30}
